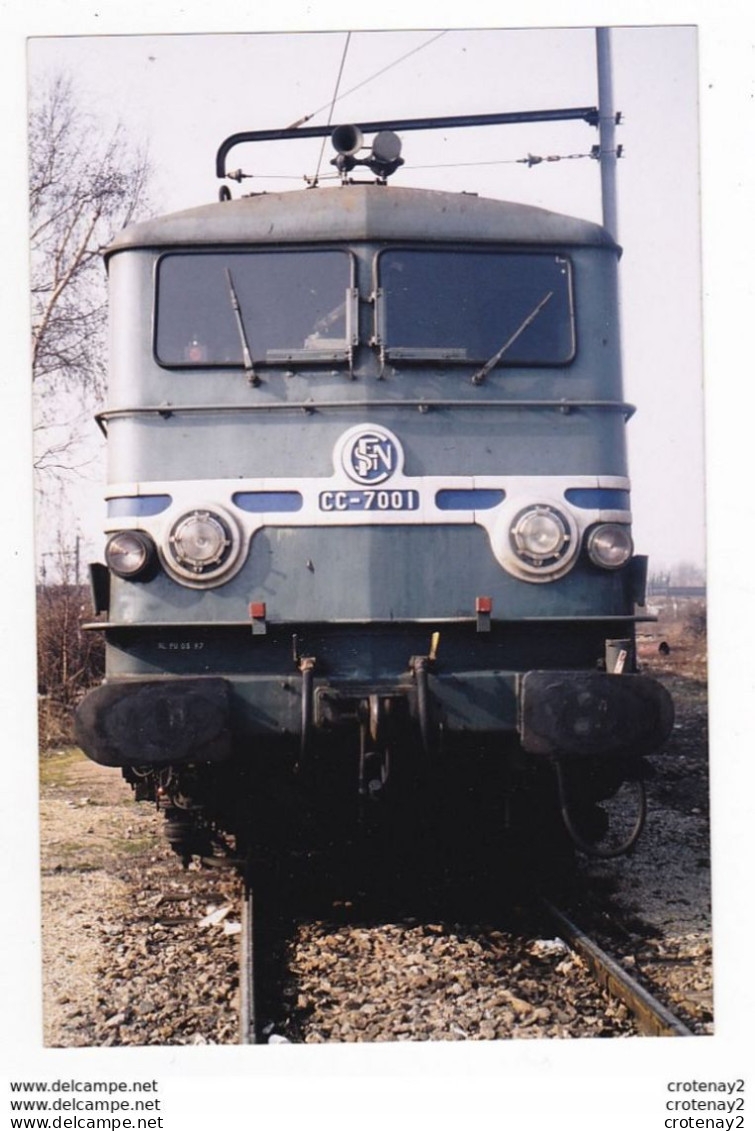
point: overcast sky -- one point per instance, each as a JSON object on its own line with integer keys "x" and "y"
{"x": 184, "y": 94}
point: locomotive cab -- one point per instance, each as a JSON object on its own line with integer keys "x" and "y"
{"x": 369, "y": 517}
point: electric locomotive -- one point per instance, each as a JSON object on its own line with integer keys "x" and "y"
{"x": 369, "y": 523}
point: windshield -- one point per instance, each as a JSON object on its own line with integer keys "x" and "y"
{"x": 280, "y": 305}
{"x": 462, "y": 305}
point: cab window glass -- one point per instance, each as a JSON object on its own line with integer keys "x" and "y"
{"x": 287, "y": 304}
{"x": 462, "y": 305}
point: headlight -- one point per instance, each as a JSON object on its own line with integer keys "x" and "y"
{"x": 199, "y": 541}
{"x": 540, "y": 536}
{"x": 610, "y": 546}
{"x": 129, "y": 553}
{"x": 202, "y": 545}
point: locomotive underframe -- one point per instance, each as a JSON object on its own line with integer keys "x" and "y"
{"x": 307, "y": 687}
{"x": 566, "y": 741}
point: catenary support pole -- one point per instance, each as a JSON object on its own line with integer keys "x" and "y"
{"x": 607, "y": 132}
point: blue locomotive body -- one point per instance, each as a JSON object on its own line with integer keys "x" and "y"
{"x": 368, "y": 502}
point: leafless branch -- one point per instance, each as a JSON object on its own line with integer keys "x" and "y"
{"x": 84, "y": 185}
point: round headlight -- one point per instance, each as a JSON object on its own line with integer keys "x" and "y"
{"x": 203, "y": 546}
{"x": 610, "y": 546}
{"x": 200, "y": 541}
{"x": 129, "y": 553}
{"x": 540, "y": 536}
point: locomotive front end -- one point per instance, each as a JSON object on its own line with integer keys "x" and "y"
{"x": 369, "y": 517}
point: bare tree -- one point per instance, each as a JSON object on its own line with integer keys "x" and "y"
{"x": 69, "y": 660}
{"x": 84, "y": 185}
{"x": 688, "y": 573}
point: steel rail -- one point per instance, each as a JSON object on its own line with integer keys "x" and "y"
{"x": 653, "y": 1018}
{"x": 247, "y": 1010}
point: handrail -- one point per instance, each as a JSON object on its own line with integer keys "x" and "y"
{"x": 613, "y": 618}
{"x": 587, "y": 114}
{"x": 168, "y": 410}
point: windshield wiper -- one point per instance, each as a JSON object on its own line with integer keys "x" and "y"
{"x": 481, "y": 374}
{"x": 246, "y": 352}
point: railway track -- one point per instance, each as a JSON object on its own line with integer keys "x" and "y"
{"x": 344, "y": 950}
{"x": 653, "y": 1018}
{"x": 248, "y": 1032}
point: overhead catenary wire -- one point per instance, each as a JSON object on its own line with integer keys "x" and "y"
{"x": 531, "y": 160}
{"x": 333, "y": 102}
{"x": 377, "y": 74}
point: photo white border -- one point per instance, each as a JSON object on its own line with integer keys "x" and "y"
{"x": 597, "y": 1084}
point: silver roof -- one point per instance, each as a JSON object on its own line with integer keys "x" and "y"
{"x": 361, "y": 212}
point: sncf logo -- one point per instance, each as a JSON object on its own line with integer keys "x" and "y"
{"x": 370, "y": 456}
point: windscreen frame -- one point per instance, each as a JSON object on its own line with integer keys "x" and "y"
{"x": 447, "y": 355}
{"x": 328, "y": 355}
